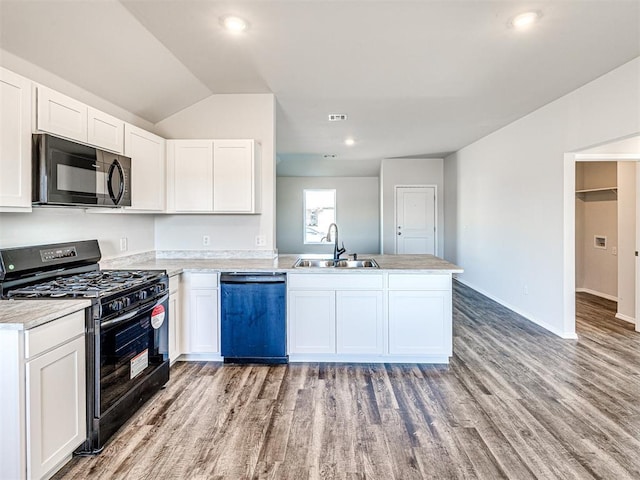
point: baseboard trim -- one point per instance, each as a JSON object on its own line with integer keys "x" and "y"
{"x": 626, "y": 318}
{"x": 525, "y": 315}
{"x": 597, "y": 294}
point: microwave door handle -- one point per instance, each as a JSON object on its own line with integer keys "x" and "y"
{"x": 115, "y": 198}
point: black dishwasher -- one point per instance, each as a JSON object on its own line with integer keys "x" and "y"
{"x": 253, "y": 317}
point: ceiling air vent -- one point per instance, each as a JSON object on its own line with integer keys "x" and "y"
{"x": 337, "y": 117}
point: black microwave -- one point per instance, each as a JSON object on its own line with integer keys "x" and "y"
{"x": 68, "y": 173}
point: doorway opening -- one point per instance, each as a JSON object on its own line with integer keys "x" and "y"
{"x": 605, "y": 220}
{"x": 623, "y": 150}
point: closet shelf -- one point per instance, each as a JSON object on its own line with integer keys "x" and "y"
{"x": 604, "y": 189}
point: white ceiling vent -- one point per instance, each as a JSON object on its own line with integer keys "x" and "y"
{"x": 337, "y": 117}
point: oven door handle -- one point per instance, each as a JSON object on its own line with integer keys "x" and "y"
{"x": 130, "y": 315}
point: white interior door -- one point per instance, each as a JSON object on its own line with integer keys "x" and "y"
{"x": 416, "y": 220}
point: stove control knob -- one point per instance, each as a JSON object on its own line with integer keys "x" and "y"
{"x": 142, "y": 294}
{"x": 116, "y": 305}
{"x": 158, "y": 288}
{"x": 126, "y": 301}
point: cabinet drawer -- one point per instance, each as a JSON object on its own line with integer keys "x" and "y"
{"x": 419, "y": 282}
{"x": 52, "y": 334}
{"x": 203, "y": 280}
{"x": 336, "y": 281}
{"x": 174, "y": 283}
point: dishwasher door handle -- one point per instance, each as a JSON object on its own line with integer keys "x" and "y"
{"x": 253, "y": 278}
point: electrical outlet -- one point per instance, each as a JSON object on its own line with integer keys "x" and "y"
{"x": 124, "y": 244}
{"x": 206, "y": 240}
{"x": 261, "y": 241}
{"x": 525, "y": 289}
{"x": 614, "y": 250}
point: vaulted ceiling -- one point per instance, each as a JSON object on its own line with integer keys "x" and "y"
{"x": 416, "y": 78}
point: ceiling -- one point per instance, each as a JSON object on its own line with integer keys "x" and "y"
{"x": 416, "y": 78}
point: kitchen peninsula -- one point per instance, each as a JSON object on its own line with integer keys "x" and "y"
{"x": 399, "y": 312}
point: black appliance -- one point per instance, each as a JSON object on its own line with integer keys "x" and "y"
{"x": 127, "y": 325}
{"x": 253, "y": 317}
{"x": 68, "y": 173}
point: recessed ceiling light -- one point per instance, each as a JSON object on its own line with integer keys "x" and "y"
{"x": 525, "y": 20}
{"x": 330, "y": 155}
{"x": 234, "y": 24}
{"x": 349, "y": 142}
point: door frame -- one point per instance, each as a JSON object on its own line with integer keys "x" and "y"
{"x": 569, "y": 237}
{"x": 435, "y": 216}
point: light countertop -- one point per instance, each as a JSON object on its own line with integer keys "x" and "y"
{"x": 26, "y": 314}
{"x": 425, "y": 264}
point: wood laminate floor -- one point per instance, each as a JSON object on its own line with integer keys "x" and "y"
{"x": 516, "y": 402}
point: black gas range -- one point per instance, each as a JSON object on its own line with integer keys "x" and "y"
{"x": 127, "y": 325}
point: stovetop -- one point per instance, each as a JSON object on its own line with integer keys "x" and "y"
{"x": 93, "y": 284}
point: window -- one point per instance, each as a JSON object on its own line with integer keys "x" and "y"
{"x": 319, "y": 213}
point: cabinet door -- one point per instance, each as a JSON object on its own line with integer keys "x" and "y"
{"x": 312, "y": 321}
{"x": 105, "y": 131}
{"x": 175, "y": 318}
{"x": 233, "y": 176}
{"x": 359, "y": 322}
{"x": 191, "y": 175}
{"x": 15, "y": 141}
{"x": 147, "y": 152}
{"x": 61, "y": 115}
{"x": 203, "y": 321}
{"x": 56, "y": 410}
{"x": 419, "y": 322}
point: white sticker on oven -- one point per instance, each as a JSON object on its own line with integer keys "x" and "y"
{"x": 157, "y": 316}
{"x": 139, "y": 363}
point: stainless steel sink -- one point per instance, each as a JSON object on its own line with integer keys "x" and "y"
{"x": 364, "y": 263}
{"x": 313, "y": 263}
{"x": 328, "y": 263}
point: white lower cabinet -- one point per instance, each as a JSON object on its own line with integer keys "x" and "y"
{"x": 56, "y": 416}
{"x": 359, "y": 322}
{"x": 43, "y": 401}
{"x": 335, "y": 314}
{"x": 312, "y": 322}
{"x": 420, "y": 315}
{"x": 175, "y": 318}
{"x": 200, "y": 312}
{"x": 384, "y": 317}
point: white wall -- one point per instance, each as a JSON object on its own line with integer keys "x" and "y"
{"x": 507, "y": 220}
{"x": 627, "y": 191}
{"x": 413, "y": 171}
{"x": 53, "y": 225}
{"x": 224, "y": 116}
{"x": 357, "y": 213}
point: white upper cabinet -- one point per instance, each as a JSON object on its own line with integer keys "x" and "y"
{"x": 190, "y": 180}
{"x": 236, "y": 166}
{"x": 213, "y": 176}
{"x": 15, "y": 142}
{"x": 69, "y": 118}
{"x": 148, "y": 153}
{"x": 61, "y": 115}
{"x": 105, "y": 131}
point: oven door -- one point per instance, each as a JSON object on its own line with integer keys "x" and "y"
{"x": 131, "y": 347}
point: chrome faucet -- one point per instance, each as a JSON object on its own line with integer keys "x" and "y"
{"x": 336, "y": 251}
